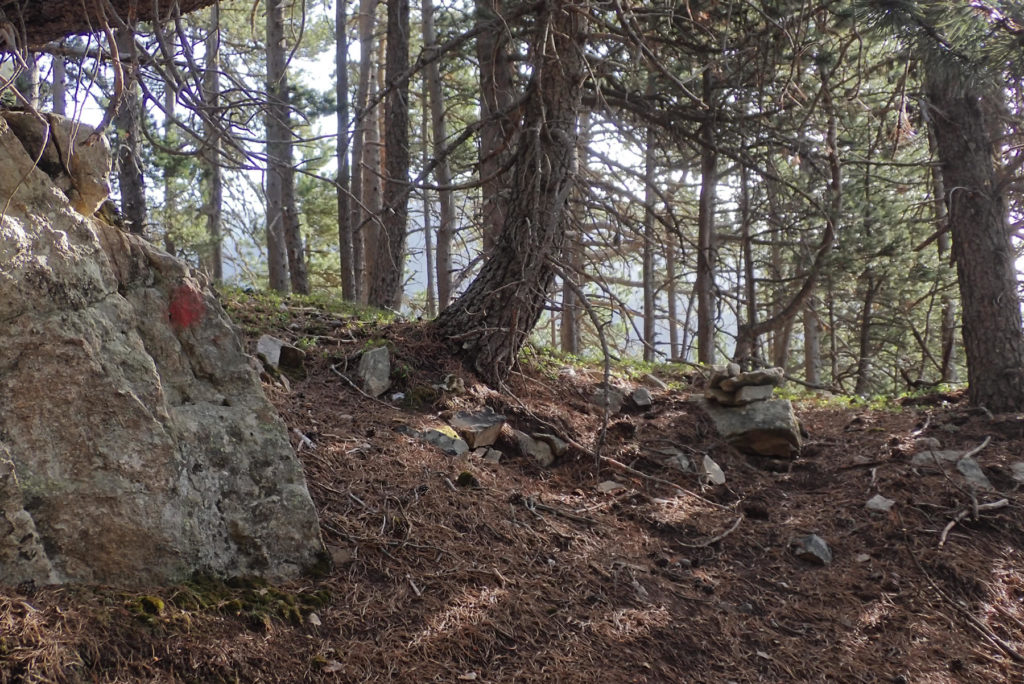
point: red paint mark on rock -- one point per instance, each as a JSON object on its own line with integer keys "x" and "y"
{"x": 187, "y": 307}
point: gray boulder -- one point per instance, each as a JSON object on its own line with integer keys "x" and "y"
{"x": 134, "y": 426}
{"x": 764, "y": 428}
{"x": 641, "y": 397}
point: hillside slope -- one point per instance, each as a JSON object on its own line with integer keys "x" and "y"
{"x": 459, "y": 569}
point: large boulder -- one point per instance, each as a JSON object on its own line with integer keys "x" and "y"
{"x": 763, "y": 428}
{"x": 135, "y": 440}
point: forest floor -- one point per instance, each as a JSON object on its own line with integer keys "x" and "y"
{"x": 453, "y": 569}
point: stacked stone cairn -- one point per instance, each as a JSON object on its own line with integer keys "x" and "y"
{"x": 728, "y": 386}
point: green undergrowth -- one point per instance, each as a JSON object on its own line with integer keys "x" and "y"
{"x": 549, "y": 362}
{"x": 256, "y": 311}
{"x": 253, "y": 600}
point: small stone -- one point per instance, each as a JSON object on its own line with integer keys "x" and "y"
{"x": 813, "y": 549}
{"x": 680, "y": 462}
{"x": 278, "y": 353}
{"x": 342, "y": 555}
{"x": 711, "y": 471}
{"x": 1017, "y": 471}
{"x": 932, "y": 458}
{"x": 720, "y": 396}
{"x": 559, "y": 446}
{"x": 478, "y": 428}
{"x": 492, "y": 456}
{"x": 537, "y": 450}
{"x": 775, "y": 377}
{"x": 610, "y": 486}
{"x": 973, "y": 473}
{"x": 879, "y": 504}
{"x": 751, "y": 393}
{"x": 452, "y": 446}
{"x": 924, "y": 443}
{"x": 375, "y": 371}
{"x": 641, "y": 397}
{"x": 862, "y": 558}
{"x": 608, "y": 396}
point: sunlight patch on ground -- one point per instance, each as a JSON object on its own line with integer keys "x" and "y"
{"x": 631, "y": 622}
{"x": 468, "y": 609}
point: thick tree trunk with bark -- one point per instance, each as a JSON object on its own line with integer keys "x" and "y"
{"x": 497, "y": 95}
{"x": 492, "y": 319}
{"x": 963, "y": 118}
{"x": 386, "y": 286}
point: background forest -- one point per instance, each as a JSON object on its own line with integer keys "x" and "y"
{"x": 779, "y": 183}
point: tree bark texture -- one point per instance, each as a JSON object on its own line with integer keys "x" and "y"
{"x": 443, "y": 171}
{"x": 650, "y": 238}
{"x": 492, "y": 319}
{"x": 58, "y": 88}
{"x": 345, "y": 255}
{"x": 212, "y": 258}
{"x": 278, "y": 152}
{"x": 131, "y": 179}
{"x": 386, "y": 286}
{"x": 705, "y": 280}
{"x": 963, "y": 118}
{"x": 358, "y": 216}
{"x": 497, "y": 96}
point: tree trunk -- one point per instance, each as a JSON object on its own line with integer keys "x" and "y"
{"x": 812, "y": 343}
{"x": 650, "y": 238}
{"x": 170, "y": 172}
{"x": 948, "y": 325}
{"x": 672, "y": 296}
{"x": 345, "y": 255}
{"x": 359, "y": 217}
{"x": 964, "y": 119}
{"x": 373, "y": 182}
{"x": 58, "y": 89}
{"x": 492, "y": 319}
{"x": 497, "y": 95}
{"x": 864, "y": 360}
{"x": 280, "y": 147}
{"x": 386, "y": 288}
{"x": 428, "y": 228}
{"x": 277, "y": 133}
{"x": 746, "y": 346}
{"x": 705, "y": 281}
{"x": 131, "y": 179}
{"x": 212, "y": 259}
{"x": 443, "y": 171}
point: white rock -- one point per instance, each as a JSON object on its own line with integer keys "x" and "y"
{"x": 711, "y": 471}
{"x": 879, "y": 504}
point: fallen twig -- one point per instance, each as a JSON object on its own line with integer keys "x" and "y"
{"x": 1002, "y": 503}
{"x": 717, "y": 538}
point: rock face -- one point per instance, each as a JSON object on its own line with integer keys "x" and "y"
{"x": 135, "y": 440}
